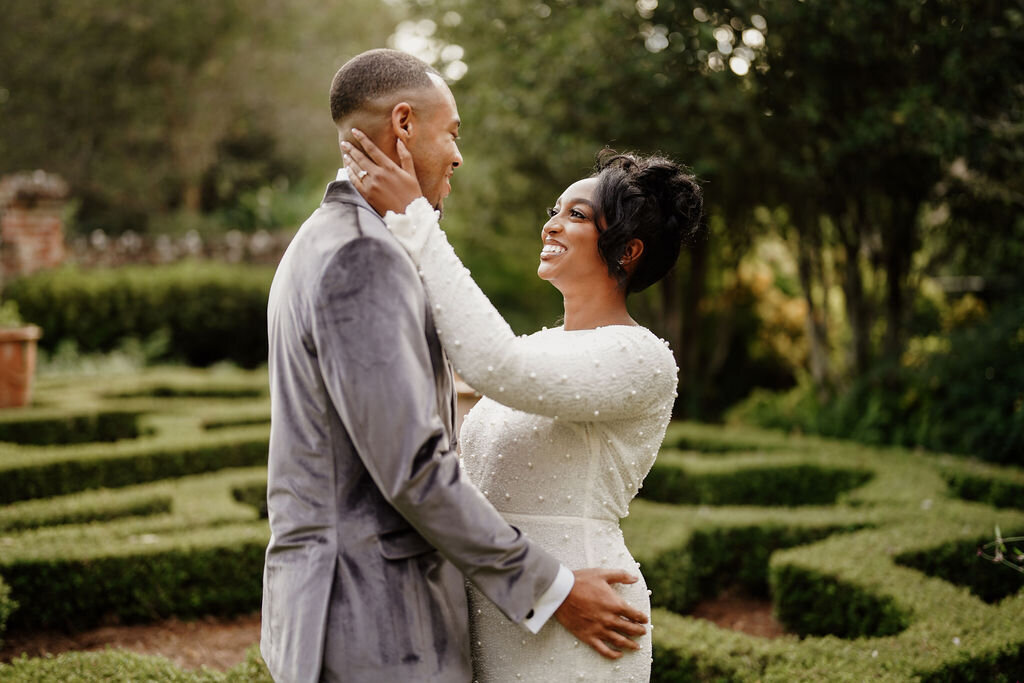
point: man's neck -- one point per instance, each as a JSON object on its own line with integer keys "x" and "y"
{"x": 343, "y": 177}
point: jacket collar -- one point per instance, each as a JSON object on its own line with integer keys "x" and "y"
{"x": 342, "y": 190}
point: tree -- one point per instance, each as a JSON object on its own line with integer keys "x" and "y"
{"x": 853, "y": 116}
{"x": 138, "y": 103}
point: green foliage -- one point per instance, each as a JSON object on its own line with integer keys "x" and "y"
{"x": 911, "y": 170}
{"x": 957, "y": 562}
{"x": 68, "y": 429}
{"x": 9, "y": 315}
{"x": 996, "y": 489}
{"x": 141, "y": 568}
{"x": 255, "y": 496}
{"x": 174, "y": 440}
{"x": 92, "y": 506}
{"x": 113, "y": 665}
{"x": 60, "y": 473}
{"x": 7, "y": 605}
{"x": 187, "y": 581}
{"x": 814, "y": 604}
{"x": 965, "y": 399}
{"x": 738, "y": 482}
{"x": 840, "y": 570}
{"x": 203, "y": 112}
{"x": 209, "y": 312}
{"x": 838, "y": 576}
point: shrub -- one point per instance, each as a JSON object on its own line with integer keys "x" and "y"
{"x": 70, "y": 472}
{"x": 93, "y": 506}
{"x": 210, "y": 312}
{"x": 67, "y": 429}
{"x": 173, "y": 440}
{"x": 966, "y": 399}
{"x": 957, "y": 562}
{"x": 1000, "y": 489}
{"x": 116, "y": 665}
{"x": 132, "y": 569}
{"x": 7, "y": 605}
{"x": 812, "y": 603}
{"x": 254, "y": 496}
{"x": 672, "y": 481}
{"x": 841, "y": 570}
{"x": 839, "y": 576}
{"x": 186, "y": 581}
{"x": 131, "y": 550}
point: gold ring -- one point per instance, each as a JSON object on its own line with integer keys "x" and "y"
{"x": 362, "y": 174}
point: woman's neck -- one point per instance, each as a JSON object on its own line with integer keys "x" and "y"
{"x": 586, "y": 312}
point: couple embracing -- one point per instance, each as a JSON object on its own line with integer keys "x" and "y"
{"x": 391, "y": 557}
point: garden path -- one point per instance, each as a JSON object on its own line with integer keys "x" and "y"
{"x": 221, "y": 643}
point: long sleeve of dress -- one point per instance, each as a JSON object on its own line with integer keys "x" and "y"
{"x": 609, "y": 373}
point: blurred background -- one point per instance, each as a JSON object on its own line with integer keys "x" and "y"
{"x": 862, "y": 166}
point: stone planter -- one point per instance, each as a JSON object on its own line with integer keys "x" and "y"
{"x": 17, "y": 364}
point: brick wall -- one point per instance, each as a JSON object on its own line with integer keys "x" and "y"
{"x": 31, "y": 223}
{"x": 31, "y": 238}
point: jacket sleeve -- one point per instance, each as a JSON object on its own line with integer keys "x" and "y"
{"x": 369, "y": 323}
{"x": 612, "y": 374}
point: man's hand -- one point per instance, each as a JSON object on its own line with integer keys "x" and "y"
{"x": 385, "y": 185}
{"x": 598, "y": 616}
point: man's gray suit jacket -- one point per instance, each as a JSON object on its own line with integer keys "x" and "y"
{"x": 372, "y": 523}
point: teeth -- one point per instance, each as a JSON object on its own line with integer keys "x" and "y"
{"x": 552, "y": 249}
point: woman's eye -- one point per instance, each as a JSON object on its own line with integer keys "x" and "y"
{"x": 578, "y": 214}
{"x": 551, "y": 212}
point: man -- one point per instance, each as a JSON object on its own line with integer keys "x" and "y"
{"x": 373, "y": 526}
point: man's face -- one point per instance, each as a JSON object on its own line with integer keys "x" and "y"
{"x": 432, "y": 142}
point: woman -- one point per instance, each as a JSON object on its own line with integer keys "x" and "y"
{"x": 572, "y": 418}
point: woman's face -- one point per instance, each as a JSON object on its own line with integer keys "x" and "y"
{"x": 569, "y": 256}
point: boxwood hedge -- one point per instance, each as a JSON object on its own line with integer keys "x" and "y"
{"x": 112, "y": 665}
{"x": 209, "y": 311}
{"x": 878, "y": 586}
{"x": 868, "y": 555}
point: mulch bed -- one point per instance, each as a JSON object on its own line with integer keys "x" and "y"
{"x": 214, "y": 643}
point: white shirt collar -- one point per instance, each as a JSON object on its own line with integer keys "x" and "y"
{"x": 342, "y": 174}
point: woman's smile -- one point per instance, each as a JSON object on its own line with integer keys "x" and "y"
{"x": 552, "y": 249}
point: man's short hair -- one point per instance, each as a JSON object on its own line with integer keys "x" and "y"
{"x": 373, "y": 74}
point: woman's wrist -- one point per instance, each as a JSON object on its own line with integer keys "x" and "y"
{"x": 414, "y": 227}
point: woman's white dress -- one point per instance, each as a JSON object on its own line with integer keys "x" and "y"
{"x": 569, "y": 426}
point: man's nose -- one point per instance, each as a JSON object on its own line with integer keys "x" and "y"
{"x": 457, "y": 161}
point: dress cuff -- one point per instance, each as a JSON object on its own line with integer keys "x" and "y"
{"x": 414, "y": 227}
{"x": 550, "y": 600}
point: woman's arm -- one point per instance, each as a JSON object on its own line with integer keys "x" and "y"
{"x": 605, "y": 374}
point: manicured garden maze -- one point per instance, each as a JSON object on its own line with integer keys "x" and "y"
{"x": 129, "y": 499}
{"x": 884, "y": 583}
{"x": 867, "y": 554}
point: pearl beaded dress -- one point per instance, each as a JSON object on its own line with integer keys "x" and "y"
{"x": 569, "y": 426}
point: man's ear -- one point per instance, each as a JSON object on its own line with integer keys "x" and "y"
{"x": 402, "y": 121}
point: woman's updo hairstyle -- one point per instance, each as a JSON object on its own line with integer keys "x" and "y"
{"x": 652, "y": 199}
